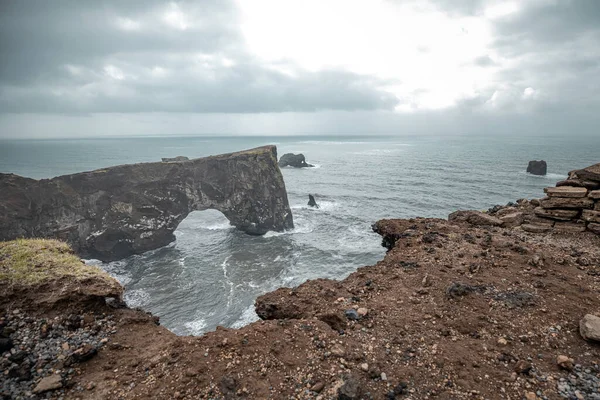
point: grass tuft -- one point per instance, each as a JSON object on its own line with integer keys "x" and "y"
{"x": 27, "y": 262}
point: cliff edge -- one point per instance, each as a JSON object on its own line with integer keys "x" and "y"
{"x": 115, "y": 212}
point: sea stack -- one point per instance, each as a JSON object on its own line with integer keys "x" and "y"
{"x": 537, "y": 167}
{"x": 312, "y": 202}
{"x": 294, "y": 160}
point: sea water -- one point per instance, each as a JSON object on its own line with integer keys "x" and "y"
{"x": 212, "y": 273}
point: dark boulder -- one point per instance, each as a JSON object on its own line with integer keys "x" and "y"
{"x": 537, "y": 167}
{"x": 312, "y": 202}
{"x": 294, "y": 160}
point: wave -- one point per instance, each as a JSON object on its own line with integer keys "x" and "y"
{"x": 137, "y": 298}
{"x": 221, "y": 226}
{"x": 247, "y": 317}
{"x": 196, "y": 327}
{"x": 314, "y": 166}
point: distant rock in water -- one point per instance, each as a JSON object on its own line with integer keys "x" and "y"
{"x": 312, "y": 202}
{"x": 175, "y": 159}
{"x": 537, "y": 167}
{"x": 115, "y": 212}
{"x": 294, "y": 160}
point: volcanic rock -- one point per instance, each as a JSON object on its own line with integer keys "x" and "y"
{"x": 312, "y": 202}
{"x": 115, "y": 212}
{"x": 556, "y": 213}
{"x": 569, "y": 226}
{"x": 591, "y": 173}
{"x": 48, "y": 383}
{"x": 537, "y": 167}
{"x": 593, "y": 227}
{"x": 565, "y": 202}
{"x": 474, "y": 218}
{"x": 533, "y": 228}
{"x": 294, "y": 160}
{"x": 513, "y": 219}
{"x": 566, "y": 191}
{"x": 591, "y": 216}
{"x": 589, "y": 327}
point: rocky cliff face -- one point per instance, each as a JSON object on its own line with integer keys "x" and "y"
{"x": 115, "y": 212}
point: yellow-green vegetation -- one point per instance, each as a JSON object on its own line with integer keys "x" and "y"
{"x": 33, "y": 261}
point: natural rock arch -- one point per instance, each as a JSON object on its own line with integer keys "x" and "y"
{"x": 115, "y": 212}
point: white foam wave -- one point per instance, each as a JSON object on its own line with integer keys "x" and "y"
{"x": 247, "y": 317}
{"x": 137, "y": 298}
{"x": 196, "y": 327}
{"x": 217, "y": 227}
{"x": 227, "y": 281}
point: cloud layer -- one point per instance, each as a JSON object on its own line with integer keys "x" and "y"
{"x": 73, "y": 56}
{"x": 443, "y": 60}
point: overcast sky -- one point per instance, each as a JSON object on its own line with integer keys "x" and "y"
{"x": 89, "y": 68}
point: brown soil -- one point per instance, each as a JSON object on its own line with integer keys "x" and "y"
{"x": 452, "y": 312}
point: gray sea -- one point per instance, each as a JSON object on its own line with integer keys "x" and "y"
{"x": 212, "y": 273}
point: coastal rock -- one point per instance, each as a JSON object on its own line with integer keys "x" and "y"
{"x": 566, "y": 191}
{"x": 294, "y": 160}
{"x": 175, "y": 159}
{"x": 566, "y": 202}
{"x": 513, "y": 219}
{"x": 537, "y": 167}
{"x": 536, "y": 220}
{"x": 48, "y": 383}
{"x": 474, "y": 218}
{"x": 591, "y": 216}
{"x": 534, "y": 228}
{"x": 112, "y": 213}
{"x": 569, "y": 226}
{"x": 593, "y": 227}
{"x": 591, "y": 173}
{"x": 556, "y": 213}
{"x": 589, "y": 327}
{"x": 312, "y": 202}
{"x": 576, "y": 182}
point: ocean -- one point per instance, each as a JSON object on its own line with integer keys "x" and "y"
{"x": 212, "y": 273}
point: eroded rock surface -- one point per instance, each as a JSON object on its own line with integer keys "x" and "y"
{"x": 537, "y": 167}
{"x": 115, "y": 212}
{"x": 294, "y": 160}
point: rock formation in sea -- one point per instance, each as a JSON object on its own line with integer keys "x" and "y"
{"x": 537, "y": 167}
{"x": 115, "y": 212}
{"x": 294, "y": 160}
{"x": 312, "y": 202}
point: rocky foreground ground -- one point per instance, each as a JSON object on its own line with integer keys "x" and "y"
{"x": 453, "y": 311}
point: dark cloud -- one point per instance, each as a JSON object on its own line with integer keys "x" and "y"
{"x": 484, "y": 61}
{"x": 87, "y": 56}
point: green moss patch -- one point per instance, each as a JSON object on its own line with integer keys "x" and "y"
{"x": 29, "y": 262}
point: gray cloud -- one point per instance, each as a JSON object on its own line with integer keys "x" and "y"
{"x": 74, "y": 56}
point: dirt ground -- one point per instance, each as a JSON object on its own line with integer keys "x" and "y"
{"x": 453, "y": 311}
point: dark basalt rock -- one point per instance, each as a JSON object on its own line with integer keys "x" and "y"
{"x": 537, "y": 167}
{"x": 312, "y": 202}
{"x": 294, "y": 160}
{"x": 115, "y": 212}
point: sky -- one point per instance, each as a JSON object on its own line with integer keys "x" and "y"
{"x": 73, "y": 68}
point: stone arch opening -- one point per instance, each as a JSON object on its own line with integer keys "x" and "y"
{"x": 115, "y": 212}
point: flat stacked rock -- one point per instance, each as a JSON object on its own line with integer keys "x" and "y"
{"x": 572, "y": 206}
